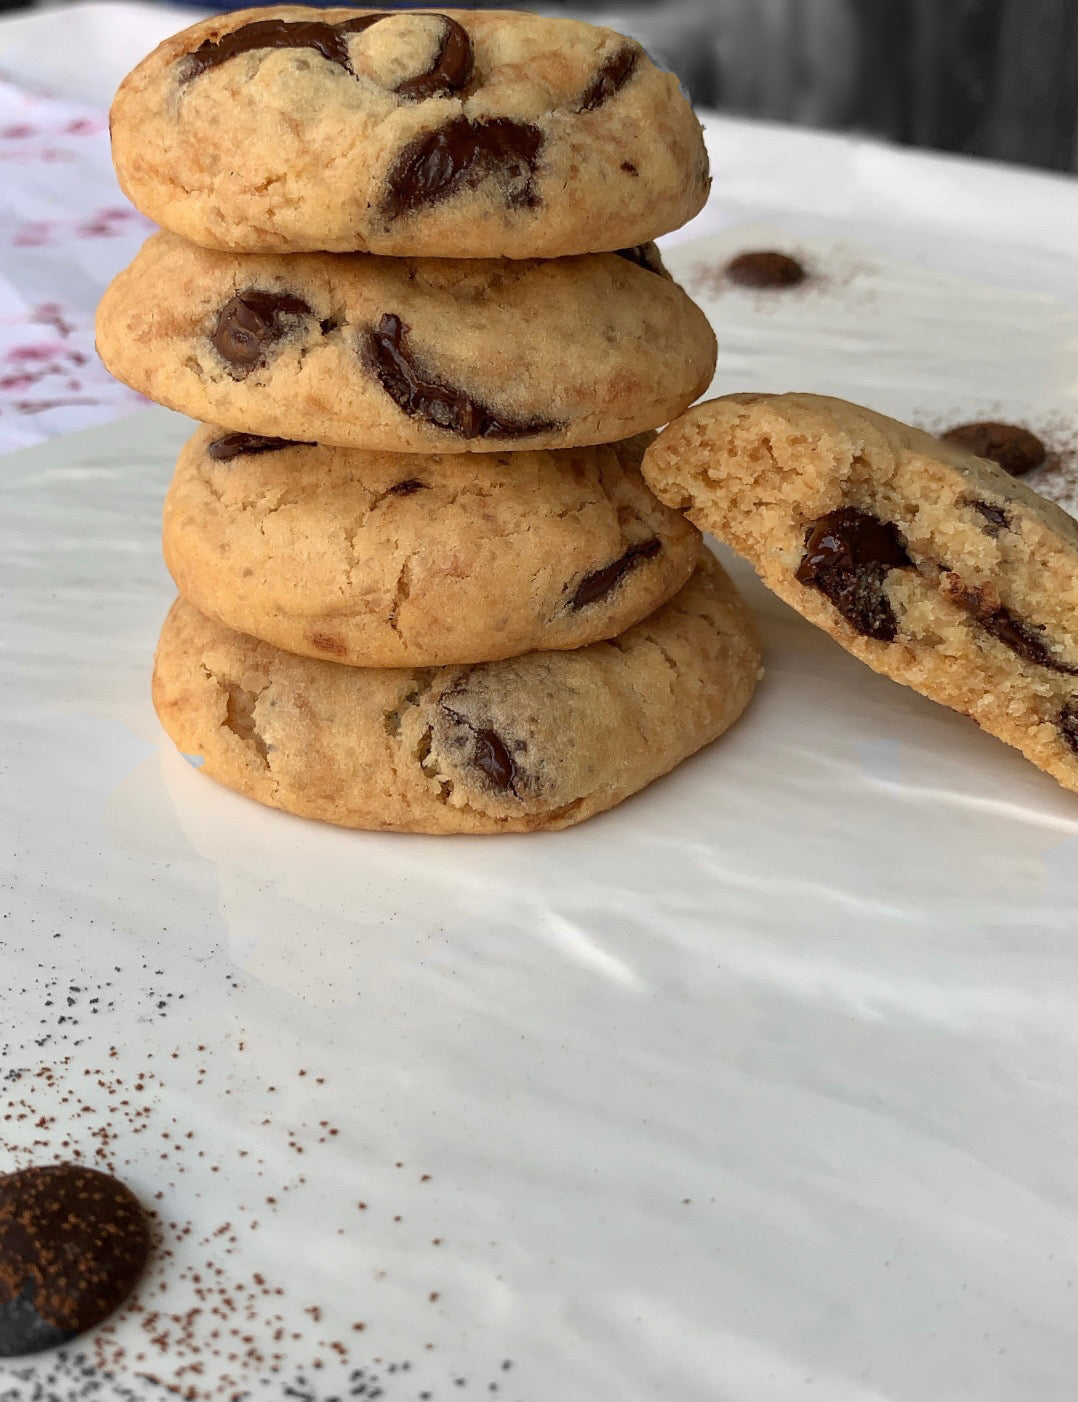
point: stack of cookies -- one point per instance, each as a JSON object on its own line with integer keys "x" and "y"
{"x": 409, "y": 288}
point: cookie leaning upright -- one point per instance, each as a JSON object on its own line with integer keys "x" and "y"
{"x": 464, "y": 134}
{"x": 935, "y": 567}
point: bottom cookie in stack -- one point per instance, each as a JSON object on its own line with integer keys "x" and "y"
{"x": 539, "y": 741}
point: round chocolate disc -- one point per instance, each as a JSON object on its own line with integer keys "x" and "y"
{"x": 73, "y": 1242}
{"x": 1015, "y": 449}
{"x": 765, "y": 268}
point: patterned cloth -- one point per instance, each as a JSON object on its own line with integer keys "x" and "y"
{"x": 65, "y": 230}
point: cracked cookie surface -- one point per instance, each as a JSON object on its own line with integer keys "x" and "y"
{"x": 935, "y": 567}
{"x": 394, "y": 560}
{"x": 408, "y": 355}
{"x": 539, "y": 741}
{"x": 448, "y": 133}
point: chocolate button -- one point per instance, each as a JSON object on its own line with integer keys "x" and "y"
{"x": 73, "y": 1242}
{"x": 849, "y": 554}
{"x": 765, "y": 268}
{"x": 1015, "y": 449}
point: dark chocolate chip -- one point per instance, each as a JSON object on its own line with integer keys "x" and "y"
{"x": 1025, "y": 640}
{"x": 1015, "y": 449}
{"x": 494, "y": 759}
{"x": 249, "y": 324}
{"x": 421, "y": 396}
{"x": 461, "y": 154}
{"x": 600, "y": 583}
{"x": 645, "y": 255}
{"x": 848, "y": 555}
{"x": 1068, "y": 724}
{"x": 73, "y": 1242}
{"x": 236, "y": 445}
{"x": 629, "y": 168}
{"x": 490, "y": 753}
{"x": 765, "y": 268}
{"x": 994, "y": 515}
{"x": 405, "y": 489}
{"x": 326, "y": 39}
{"x": 450, "y": 71}
{"x": 610, "y": 79}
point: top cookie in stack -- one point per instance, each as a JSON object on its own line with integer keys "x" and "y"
{"x": 456, "y": 135}
{"x": 393, "y": 242}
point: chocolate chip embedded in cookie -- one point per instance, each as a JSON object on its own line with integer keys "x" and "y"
{"x": 932, "y": 565}
{"x": 390, "y": 560}
{"x": 462, "y": 134}
{"x": 1015, "y": 449}
{"x": 408, "y": 355}
{"x": 73, "y": 1243}
{"x": 848, "y": 555}
{"x": 250, "y": 324}
{"x": 510, "y": 746}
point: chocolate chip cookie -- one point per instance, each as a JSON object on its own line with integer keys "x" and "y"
{"x": 408, "y": 355}
{"x": 935, "y": 567}
{"x": 391, "y": 560}
{"x": 540, "y": 741}
{"x": 456, "y": 133}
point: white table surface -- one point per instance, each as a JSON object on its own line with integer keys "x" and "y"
{"x": 760, "y": 1088}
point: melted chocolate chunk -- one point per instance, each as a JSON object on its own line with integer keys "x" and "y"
{"x": 452, "y": 68}
{"x": 421, "y": 396}
{"x": 610, "y": 79}
{"x": 326, "y": 39}
{"x": 765, "y": 268}
{"x": 450, "y": 71}
{"x": 848, "y": 556}
{"x": 460, "y": 155}
{"x": 645, "y": 255}
{"x": 600, "y": 583}
{"x": 1015, "y": 449}
{"x": 1068, "y": 724}
{"x": 490, "y": 753}
{"x": 250, "y": 323}
{"x": 994, "y": 515}
{"x": 73, "y": 1242}
{"x": 236, "y": 445}
{"x": 405, "y": 489}
{"x": 1025, "y": 640}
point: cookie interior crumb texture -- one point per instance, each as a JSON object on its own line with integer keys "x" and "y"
{"x": 539, "y": 741}
{"x": 935, "y": 567}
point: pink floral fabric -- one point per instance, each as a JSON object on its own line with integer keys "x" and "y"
{"x": 65, "y": 231}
